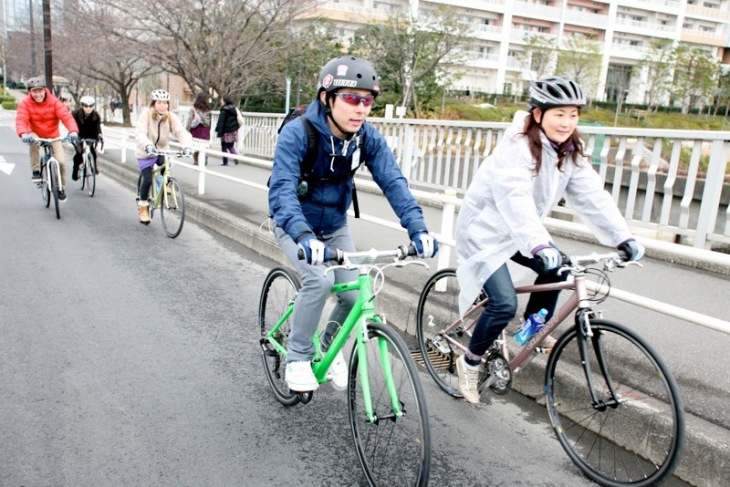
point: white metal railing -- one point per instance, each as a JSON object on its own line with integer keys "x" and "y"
{"x": 449, "y": 201}
{"x": 654, "y": 175}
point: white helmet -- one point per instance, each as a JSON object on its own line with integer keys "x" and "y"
{"x": 160, "y": 95}
{"x": 87, "y": 101}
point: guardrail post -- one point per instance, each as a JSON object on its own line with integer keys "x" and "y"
{"x": 123, "y": 156}
{"x": 447, "y": 228}
{"x": 711, "y": 195}
{"x": 202, "y": 155}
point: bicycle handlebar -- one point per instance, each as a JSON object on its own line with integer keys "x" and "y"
{"x": 610, "y": 261}
{"x": 340, "y": 256}
{"x": 41, "y": 141}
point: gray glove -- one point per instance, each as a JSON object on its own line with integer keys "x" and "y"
{"x": 150, "y": 150}
{"x": 27, "y": 138}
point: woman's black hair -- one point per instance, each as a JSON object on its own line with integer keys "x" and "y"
{"x": 227, "y": 100}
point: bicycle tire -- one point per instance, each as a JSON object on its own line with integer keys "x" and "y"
{"x": 89, "y": 174}
{"x": 172, "y": 209}
{"x": 392, "y": 450}
{"x": 45, "y": 190}
{"x": 279, "y": 289}
{"x": 438, "y": 306}
{"x": 54, "y": 177}
{"x": 637, "y": 443}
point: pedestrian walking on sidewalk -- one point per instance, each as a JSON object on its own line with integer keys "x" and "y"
{"x": 227, "y": 127}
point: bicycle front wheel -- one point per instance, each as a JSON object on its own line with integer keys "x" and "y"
{"x": 394, "y": 448}
{"x": 279, "y": 290}
{"x": 45, "y": 189}
{"x": 55, "y": 180}
{"x": 89, "y": 176}
{"x": 172, "y": 209}
{"x": 440, "y": 331}
{"x": 636, "y": 441}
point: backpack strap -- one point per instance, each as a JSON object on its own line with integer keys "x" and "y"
{"x": 310, "y": 157}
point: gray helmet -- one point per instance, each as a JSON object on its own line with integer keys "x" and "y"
{"x": 37, "y": 82}
{"x": 348, "y": 72}
{"x": 555, "y": 91}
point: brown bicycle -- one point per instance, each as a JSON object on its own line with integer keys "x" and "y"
{"x": 613, "y": 402}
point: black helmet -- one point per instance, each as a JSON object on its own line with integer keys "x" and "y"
{"x": 37, "y": 82}
{"x": 554, "y": 91}
{"x": 348, "y": 72}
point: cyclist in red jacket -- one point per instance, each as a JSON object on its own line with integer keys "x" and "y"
{"x": 38, "y": 116}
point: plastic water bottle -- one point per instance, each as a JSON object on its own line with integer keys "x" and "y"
{"x": 158, "y": 183}
{"x": 533, "y": 325}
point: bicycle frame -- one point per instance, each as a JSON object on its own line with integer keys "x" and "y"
{"x": 579, "y": 303}
{"x": 165, "y": 169}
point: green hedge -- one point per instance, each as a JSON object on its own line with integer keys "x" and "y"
{"x": 9, "y": 105}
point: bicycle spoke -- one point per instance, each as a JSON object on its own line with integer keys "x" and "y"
{"x": 441, "y": 336}
{"x": 395, "y": 447}
{"x": 279, "y": 289}
{"x": 636, "y": 441}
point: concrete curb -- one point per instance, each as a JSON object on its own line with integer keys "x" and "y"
{"x": 706, "y": 458}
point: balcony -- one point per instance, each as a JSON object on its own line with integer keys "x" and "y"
{"x": 644, "y": 28}
{"x": 535, "y": 11}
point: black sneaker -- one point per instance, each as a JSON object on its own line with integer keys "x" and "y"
{"x": 61, "y": 195}
{"x": 36, "y": 177}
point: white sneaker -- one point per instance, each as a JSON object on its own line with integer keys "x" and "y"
{"x": 299, "y": 377}
{"x": 337, "y": 372}
{"x": 468, "y": 380}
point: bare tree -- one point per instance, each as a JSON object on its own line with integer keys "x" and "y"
{"x": 411, "y": 52}
{"x": 215, "y": 46}
{"x": 579, "y": 58}
{"x": 694, "y": 76}
{"x": 89, "y": 53}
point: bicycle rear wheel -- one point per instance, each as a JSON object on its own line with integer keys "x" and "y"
{"x": 392, "y": 449}
{"x": 172, "y": 209}
{"x": 636, "y": 442}
{"x": 280, "y": 288}
{"x": 54, "y": 177}
{"x": 45, "y": 189}
{"x": 438, "y": 308}
{"x": 89, "y": 175}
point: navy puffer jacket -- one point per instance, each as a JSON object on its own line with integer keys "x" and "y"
{"x": 324, "y": 209}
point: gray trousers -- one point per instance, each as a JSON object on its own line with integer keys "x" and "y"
{"x": 315, "y": 290}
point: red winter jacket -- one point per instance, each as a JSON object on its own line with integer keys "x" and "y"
{"x": 42, "y": 118}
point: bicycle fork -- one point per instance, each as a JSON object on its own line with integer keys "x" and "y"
{"x": 397, "y": 410}
{"x": 585, "y": 332}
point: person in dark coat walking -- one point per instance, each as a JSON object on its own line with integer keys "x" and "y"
{"x": 227, "y": 127}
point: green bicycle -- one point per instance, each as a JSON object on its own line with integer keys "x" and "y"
{"x": 386, "y": 402}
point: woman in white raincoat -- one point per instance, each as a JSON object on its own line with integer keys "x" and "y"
{"x": 539, "y": 160}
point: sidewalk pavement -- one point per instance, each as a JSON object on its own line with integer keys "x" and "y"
{"x": 241, "y": 215}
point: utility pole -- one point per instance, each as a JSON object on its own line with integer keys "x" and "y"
{"x": 47, "y": 45}
{"x": 33, "y": 70}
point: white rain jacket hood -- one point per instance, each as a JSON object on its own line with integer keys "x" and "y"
{"x": 506, "y": 203}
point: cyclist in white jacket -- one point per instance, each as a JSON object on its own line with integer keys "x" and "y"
{"x": 539, "y": 160}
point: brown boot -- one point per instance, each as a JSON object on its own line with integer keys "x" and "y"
{"x": 144, "y": 212}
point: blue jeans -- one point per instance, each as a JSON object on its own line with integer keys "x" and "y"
{"x": 315, "y": 290}
{"x": 502, "y": 304}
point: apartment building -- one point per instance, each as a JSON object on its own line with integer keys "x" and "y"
{"x": 621, "y": 29}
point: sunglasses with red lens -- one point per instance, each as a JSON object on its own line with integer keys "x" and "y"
{"x": 355, "y": 99}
